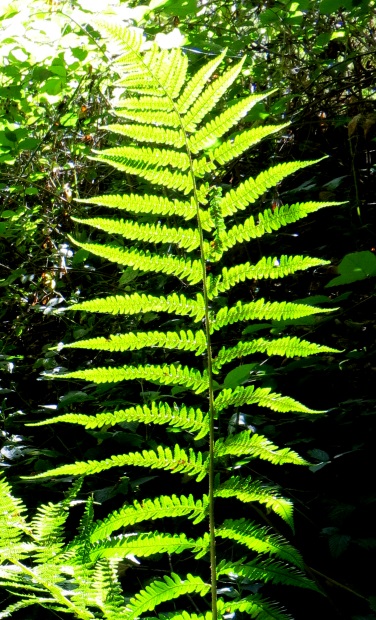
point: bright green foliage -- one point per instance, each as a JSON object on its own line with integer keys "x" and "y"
{"x": 246, "y": 490}
{"x": 134, "y": 304}
{"x": 189, "y": 419}
{"x": 260, "y": 539}
{"x": 262, "y": 310}
{"x": 177, "y": 135}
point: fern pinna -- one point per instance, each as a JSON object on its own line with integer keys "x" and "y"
{"x": 177, "y": 136}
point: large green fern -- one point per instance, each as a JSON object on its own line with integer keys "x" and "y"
{"x": 176, "y": 136}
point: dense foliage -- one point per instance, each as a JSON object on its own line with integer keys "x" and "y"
{"x": 57, "y": 98}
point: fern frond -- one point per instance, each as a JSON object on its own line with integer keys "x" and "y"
{"x": 147, "y": 118}
{"x": 269, "y": 221}
{"x": 146, "y": 261}
{"x": 21, "y": 604}
{"x": 81, "y": 544}
{"x": 144, "y": 103}
{"x": 176, "y": 137}
{"x": 260, "y": 539}
{"x": 246, "y": 490}
{"x": 158, "y": 591}
{"x": 105, "y": 591}
{"x": 187, "y": 418}
{"x": 256, "y": 446}
{"x": 44, "y": 579}
{"x": 150, "y": 509}
{"x": 180, "y": 615}
{"x": 197, "y": 84}
{"x": 130, "y": 40}
{"x": 235, "y": 146}
{"x": 263, "y": 397}
{"x": 13, "y": 522}
{"x": 267, "y": 571}
{"x": 256, "y": 607}
{"x": 286, "y": 347}
{"x": 177, "y": 461}
{"x": 248, "y": 192}
{"x": 145, "y": 544}
{"x": 152, "y": 233}
{"x": 48, "y": 531}
{"x": 261, "y": 309}
{"x": 209, "y": 97}
{"x": 158, "y": 205}
{"x": 206, "y": 136}
{"x": 143, "y": 155}
{"x": 150, "y": 134}
{"x": 183, "y": 341}
{"x": 162, "y": 375}
{"x": 157, "y": 72}
{"x": 146, "y": 166}
{"x": 271, "y": 267}
{"x": 140, "y": 303}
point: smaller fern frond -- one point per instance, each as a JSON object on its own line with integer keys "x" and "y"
{"x": 171, "y": 506}
{"x": 197, "y": 83}
{"x": 285, "y": 347}
{"x": 21, "y": 604}
{"x": 156, "y": 205}
{"x": 167, "y": 69}
{"x": 271, "y": 267}
{"x": 267, "y": 571}
{"x": 145, "y": 102}
{"x": 247, "y": 193}
{"x": 158, "y": 591}
{"x": 263, "y": 397}
{"x": 256, "y": 446}
{"x": 183, "y": 341}
{"x": 105, "y": 591}
{"x": 187, "y": 418}
{"x": 261, "y": 309}
{"x": 146, "y": 261}
{"x": 162, "y": 375}
{"x": 180, "y": 615}
{"x": 209, "y": 97}
{"x": 81, "y": 544}
{"x": 260, "y": 539}
{"x": 145, "y": 166}
{"x": 176, "y": 460}
{"x": 140, "y": 303}
{"x": 48, "y": 531}
{"x": 254, "y": 606}
{"x": 246, "y": 490}
{"x": 143, "y": 156}
{"x": 13, "y": 522}
{"x": 150, "y": 134}
{"x": 151, "y": 233}
{"x": 236, "y": 145}
{"x": 143, "y": 545}
{"x": 208, "y": 135}
{"x": 269, "y": 221}
{"x": 130, "y": 40}
{"x": 146, "y": 118}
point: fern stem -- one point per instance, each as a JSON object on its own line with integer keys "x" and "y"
{"x": 211, "y": 473}
{"x": 209, "y": 361}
